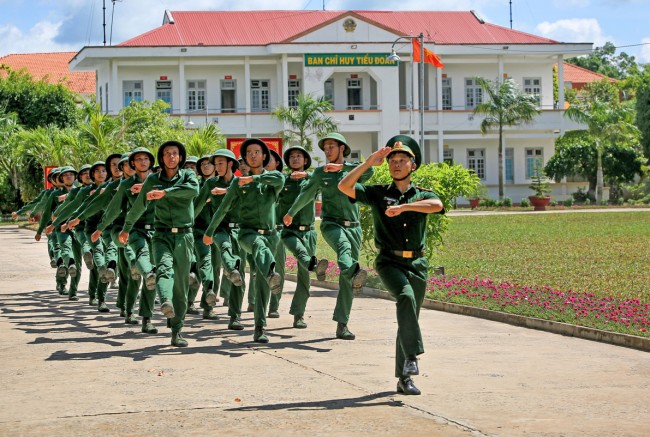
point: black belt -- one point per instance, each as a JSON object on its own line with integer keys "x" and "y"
{"x": 143, "y": 227}
{"x": 406, "y": 254}
{"x": 228, "y": 225}
{"x": 279, "y": 227}
{"x": 266, "y": 231}
{"x": 346, "y": 223}
{"x": 301, "y": 227}
{"x": 175, "y": 230}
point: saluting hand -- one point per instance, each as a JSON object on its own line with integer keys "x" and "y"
{"x": 62, "y": 197}
{"x": 298, "y": 175}
{"x": 64, "y": 227}
{"x": 135, "y": 189}
{"x": 245, "y": 180}
{"x": 394, "y": 210}
{"x": 95, "y": 236}
{"x": 156, "y": 194}
{"x": 218, "y": 191}
{"x": 123, "y": 237}
{"x": 378, "y": 157}
{"x": 333, "y": 168}
{"x": 287, "y": 220}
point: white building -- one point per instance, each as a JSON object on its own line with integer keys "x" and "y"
{"x": 233, "y": 68}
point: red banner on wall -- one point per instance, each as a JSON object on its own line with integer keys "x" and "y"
{"x": 273, "y": 143}
{"x": 46, "y": 172}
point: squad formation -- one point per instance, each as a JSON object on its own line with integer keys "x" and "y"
{"x": 192, "y": 224}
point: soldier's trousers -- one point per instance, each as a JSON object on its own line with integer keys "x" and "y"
{"x": 405, "y": 280}
{"x": 262, "y": 248}
{"x": 99, "y": 250}
{"x": 93, "y": 277}
{"x": 140, "y": 242}
{"x": 127, "y": 291}
{"x": 172, "y": 253}
{"x": 203, "y": 255}
{"x": 346, "y": 242}
{"x": 280, "y": 256}
{"x": 302, "y": 244}
{"x": 69, "y": 252}
{"x": 227, "y": 256}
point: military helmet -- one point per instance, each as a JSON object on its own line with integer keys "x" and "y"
{"x": 94, "y": 167}
{"x": 229, "y": 155}
{"x": 152, "y": 159}
{"x": 181, "y": 151}
{"x": 82, "y": 169}
{"x": 108, "y": 160}
{"x": 338, "y": 137}
{"x": 262, "y": 144}
{"x": 405, "y": 144}
{"x": 66, "y": 169}
{"x": 288, "y": 151}
{"x": 278, "y": 159}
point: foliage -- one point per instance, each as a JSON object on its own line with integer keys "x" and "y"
{"x": 305, "y": 119}
{"x": 204, "y": 140}
{"x": 604, "y": 61}
{"x": 643, "y": 114}
{"x": 507, "y": 202}
{"x": 507, "y": 105}
{"x": 540, "y": 185}
{"x": 447, "y": 181}
{"x": 36, "y": 103}
{"x": 148, "y": 125}
{"x": 580, "y": 195}
{"x": 568, "y": 201}
{"x": 524, "y": 203}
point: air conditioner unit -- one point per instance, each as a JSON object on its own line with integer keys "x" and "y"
{"x": 164, "y": 85}
{"x": 228, "y": 84}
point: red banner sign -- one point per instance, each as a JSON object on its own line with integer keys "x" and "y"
{"x": 46, "y": 172}
{"x": 273, "y": 143}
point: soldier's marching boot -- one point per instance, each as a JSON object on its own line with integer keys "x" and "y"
{"x": 343, "y": 332}
{"x": 406, "y": 386}
{"x": 178, "y": 340}
{"x": 130, "y": 319}
{"x": 103, "y": 308}
{"x": 191, "y": 309}
{"x": 147, "y": 326}
{"x": 299, "y": 322}
{"x": 150, "y": 281}
{"x": 88, "y": 260}
{"x": 72, "y": 269}
{"x": 211, "y": 298}
{"x": 260, "y": 335}
{"x": 168, "y": 310}
{"x": 235, "y": 324}
{"x": 209, "y": 314}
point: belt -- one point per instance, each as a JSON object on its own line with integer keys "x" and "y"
{"x": 144, "y": 227}
{"x": 233, "y": 225}
{"x": 175, "y": 230}
{"x": 279, "y": 227}
{"x": 346, "y": 223}
{"x": 301, "y": 227}
{"x": 266, "y": 231}
{"x": 407, "y": 254}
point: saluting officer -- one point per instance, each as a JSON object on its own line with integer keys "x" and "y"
{"x": 339, "y": 224}
{"x": 399, "y": 212}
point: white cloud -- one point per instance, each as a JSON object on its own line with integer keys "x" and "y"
{"x": 572, "y": 4}
{"x": 574, "y": 30}
{"x": 644, "y": 53}
{"x": 40, "y": 38}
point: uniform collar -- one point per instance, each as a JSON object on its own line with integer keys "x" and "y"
{"x": 392, "y": 186}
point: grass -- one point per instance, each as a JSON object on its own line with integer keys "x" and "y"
{"x": 590, "y": 269}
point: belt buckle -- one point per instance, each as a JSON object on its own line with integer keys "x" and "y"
{"x": 408, "y": 254}
{"x": 302, "y": 228}
{"x": 231, "y": 225}
{"x": 346, "y": 223}
{"x": 260, "y": 231}
{"x": 147, "y": 227}
{"x": 174, "y": 230}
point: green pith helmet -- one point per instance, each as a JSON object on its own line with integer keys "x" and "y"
{"x": 66, "y": 169}
{"x": 124, "y": 159}
{"x": 144, "y": 150}
{"x": 338, "y": 137}
{"x": 287, "y": 153}
{"x": 262, "y": 144}
{"x": 229, "y": 155}
{"x": 408, "y": 146}
{"x": 192, "y": 159}
{"x": 278, "y": 159}
{"x": 199, "y": 163}
{"x": 82, "y": 169}
{"x": 94, "y": 167}
{"x": 54, "y": 172}
{"x": 108, "y": 160}
{"x": 181, "y": 152}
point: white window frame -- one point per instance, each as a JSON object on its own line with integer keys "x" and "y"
{"x": 164, "y": 92}
{"x": 533, "y": 87}
{"x": 447, "y": 102}
{"x": 534, "y": 155}
{"x": 473, "y": 94}
{"x": 510, "y": 156}
{"x": 476, "y": 162}
{"x": 354, "y": 84}
{"x": 228, "y": 85}
{"x": 260, "y": 95}
{"x": 132, "y": 90}
{"x": 293, "y": 91}
{"x": 328, "y": 90}
{"x": 196, "y": 95}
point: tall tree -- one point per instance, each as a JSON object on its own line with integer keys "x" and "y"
{"x": 605, "y": 61}
{"x": 205, "y": 140}
{"x": 507, "y": 105}
{"x": 306, "y": 118}
{"x": 643, "y": 112}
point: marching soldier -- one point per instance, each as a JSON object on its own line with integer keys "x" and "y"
{"x": 191, "y": 164}
{"x": 399, "y": 212}
{"x": 339, "y": 224}
{"x": 280, "y": 255}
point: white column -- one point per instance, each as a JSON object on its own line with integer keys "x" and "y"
{"x": 284, "y": 81}
{"x": 560, "y": 89}
{"x": 500, "y": 69}
{"x": 182, "y": 88}
{"x": 441, "y": 154}
{"x": 247, "y": 94}
{"x": 113, "y": 90}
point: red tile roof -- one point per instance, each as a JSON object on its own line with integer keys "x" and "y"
{"x": 52, "y": 67}
{"x": 228, "y": 28}
{"x": 579, "y": 75}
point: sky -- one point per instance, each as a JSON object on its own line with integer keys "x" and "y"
{"x": 37, "y": 26}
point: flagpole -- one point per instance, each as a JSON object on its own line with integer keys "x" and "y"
{"x": 421, "y": 38}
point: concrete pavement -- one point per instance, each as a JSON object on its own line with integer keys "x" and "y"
{"x": 66, "y": 369}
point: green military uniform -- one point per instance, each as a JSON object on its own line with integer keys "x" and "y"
{"x": 257, "y": 233}
{"x": 194, "y": 283}
{"x": 173, "y": 237}
{"x": 280, "y": 253}
{"x": 339, "y": 226}
{"x": 52, "y": 244}
{"x": 225, "y": 248}
{"x": 401, "y": 262}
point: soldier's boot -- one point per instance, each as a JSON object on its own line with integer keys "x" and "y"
{"x": 211, "y": 298}
{"x": 235, "y": 324}
{"x": 103, "y": 308}
{"x": 299, "y": 322}
{"x": 178, "y": 340}
{"x": 260, "y": 336}
{"x": 209, "y": 314}
{"x": 343, "y": 332}
{"x": 191, "y": 309}
{"x": 147, "y": 326}
{"x": 88, "y": 260}
{"x": 130, "y": 319}
{"x": 168, "y": 310}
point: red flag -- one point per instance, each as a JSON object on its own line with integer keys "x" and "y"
{"x": 429, "y": 56}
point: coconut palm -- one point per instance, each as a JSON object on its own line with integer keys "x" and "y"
{"x": 507, "y": 105}
{"x": 204, "y": 140}
{"x": 101, "y": 132}
{"x": 607, "y": 123}
{"x": 9, "y": 156}
{"x": 307, "y": 118}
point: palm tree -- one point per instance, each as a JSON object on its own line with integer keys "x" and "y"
{"x": 204, "y": 141}
{"x": 306, "y": 118}
{"x": 607, "y": 123}
{"x": 9, "y": 156}
{"x": 507, "y": 105}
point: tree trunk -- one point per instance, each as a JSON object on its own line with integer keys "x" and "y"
{"x": 500, "y": 162}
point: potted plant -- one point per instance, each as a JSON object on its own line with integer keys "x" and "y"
{"x": 475, "y": 196}
{"x": 542, "y": 188}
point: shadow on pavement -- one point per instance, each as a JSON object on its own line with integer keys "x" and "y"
{"x": 331, "y": 404}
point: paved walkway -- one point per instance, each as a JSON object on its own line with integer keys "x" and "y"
{"x": 65, "y": 369}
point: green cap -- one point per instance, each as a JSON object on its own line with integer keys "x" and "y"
{"x": 94, "y": 167}
{"x": 123, "y": 159}
{"x": 338, "y": 137}
{"x": 288, "y": 151}
{"x": 405, "y": 144}
{"x": 262, "y": 144}
{"x": 66, "y": 169}
{"x": 144, "y": 150}
{"x": 227, "y": 154}
{"x": 199, "y": 163}
{"x": 54, "y": 172}
{"x": 191, "y": 159}
{"x": 181, "y": 151}
{"x": 278, "y": 159}
{"x": 82, "y": 169}
{"x": 108, "y": 160}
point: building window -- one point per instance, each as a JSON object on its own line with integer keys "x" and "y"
{"x": 132, "y": 91}
{"x": 164, "y": 93}
{"x": 228, "y": 95}
{"x": 473, "y": 94}
{"x": 476, "y": 162}
{"x": 196, "y": 95}
{"x": 534, "y": 160}
{"x": 446, "y": 94}
{"x": 329, "y": 91}
{"x": 533, "y": 87}
{"x": 448, "y": 156}
{"x": 354, "y": 94}
{"x": 510, "y": 169}
{"x": 293, "y": 91}
{"x": 260, "y": 90}
{"x": 354, "y": 156}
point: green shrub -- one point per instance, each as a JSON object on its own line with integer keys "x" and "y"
{"x": 568, "y": 202}
{"x": 581, "y": 196}
{"x": 488, "y": 203}
{"x": 587, "y": 201}
{"x": 553, "y": 202}
{"x": 507, "y": 202}
{"x": 525, "y": 203}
